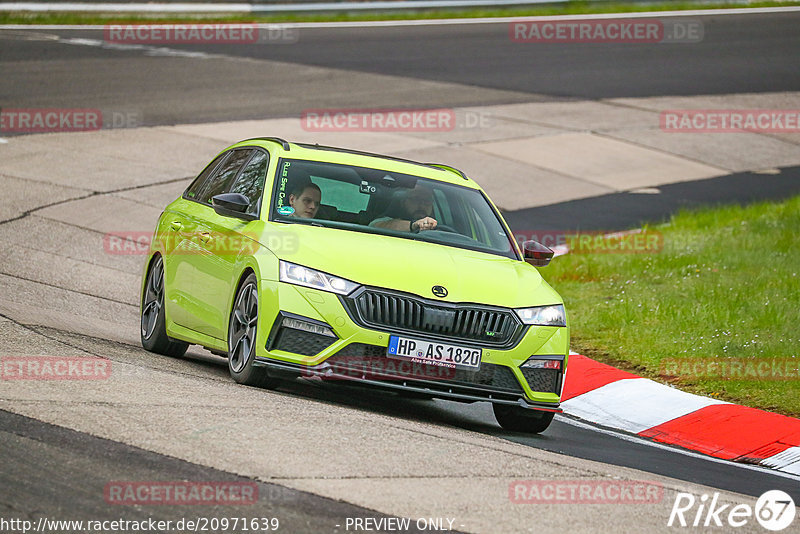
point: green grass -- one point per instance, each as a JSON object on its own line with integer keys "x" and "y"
{"x": 570, "y": 8}
{"x": 725, "y": 288}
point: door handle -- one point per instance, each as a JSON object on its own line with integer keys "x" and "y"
{"x": 176, "y": 225}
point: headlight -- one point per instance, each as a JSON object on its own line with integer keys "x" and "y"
{"x": 303, "y": 276}
{"x": 553, "y": 315}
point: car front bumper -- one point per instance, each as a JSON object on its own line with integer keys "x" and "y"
{"x": 332, "y": 345}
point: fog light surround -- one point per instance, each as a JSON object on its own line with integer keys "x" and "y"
{"x": 542, "y": 363}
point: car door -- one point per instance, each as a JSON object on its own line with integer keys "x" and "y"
{"x": 195, "y": 260}
{"x": 223, "y": 238}
{"x": 177, "y": 233}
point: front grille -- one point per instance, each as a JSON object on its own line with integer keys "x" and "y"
{"x": 370, "y": 361}
{"x": 300, "y": 342}
{"x": 543, "y": 380}
{"x": 461, "y": 322}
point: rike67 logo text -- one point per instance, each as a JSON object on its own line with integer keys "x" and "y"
{"x": 774, "y": 510}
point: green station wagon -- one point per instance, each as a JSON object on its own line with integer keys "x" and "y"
{"x": 295, "y": 260}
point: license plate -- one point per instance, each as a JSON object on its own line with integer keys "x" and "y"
{"x": 420, "y": 351}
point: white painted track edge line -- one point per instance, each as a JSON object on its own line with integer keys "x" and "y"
{"x": 248, "y": 7}
{"x": 506, "y": 20}
{"x": 447, "y": 22}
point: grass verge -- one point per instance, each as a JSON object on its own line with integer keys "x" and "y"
{"x": 715, "y": 312}
{"x": 570, "y": 8}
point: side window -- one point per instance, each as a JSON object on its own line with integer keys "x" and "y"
{"x": 199, "y": 182}
{"x": 222, "y": 179}
{"x": 251, "y": 182}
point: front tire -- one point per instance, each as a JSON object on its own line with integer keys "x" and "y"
{"x": 242, "y": 330}
{"x": 153, "y": 322}
{"x": 518, "y": 419}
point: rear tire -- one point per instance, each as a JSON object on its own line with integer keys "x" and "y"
{"x": 242, "y": 330}
{"x": 153, "y": 322}
{"x": 518, "y": 419}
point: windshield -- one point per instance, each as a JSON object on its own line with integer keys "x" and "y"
{"x": 399, "y": 205}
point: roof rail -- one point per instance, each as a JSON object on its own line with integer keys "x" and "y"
{"x": 284, "y": 143}
{"x": 448, "y": 168}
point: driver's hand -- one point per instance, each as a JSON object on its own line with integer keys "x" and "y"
{"x": 426, "y": 223}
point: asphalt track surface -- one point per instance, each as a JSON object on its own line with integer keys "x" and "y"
{"x": 484, "y": 56}
{"x": 738, "y": 54}
{"x": 78, "y": 466}
{"x": 471, "y": 64}
{"x": 624, "y": 210}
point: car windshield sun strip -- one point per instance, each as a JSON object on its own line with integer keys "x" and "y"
{"x": 373, "y": 155}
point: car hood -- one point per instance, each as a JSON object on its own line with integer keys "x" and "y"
{"x": 415, "y": 266}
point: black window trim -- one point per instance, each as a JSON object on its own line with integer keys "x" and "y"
{"x": 219, "y": 161}
{"x": 236, "y": 176}
{"x": 227, "y": 154}
{"x": 266, "y": 171}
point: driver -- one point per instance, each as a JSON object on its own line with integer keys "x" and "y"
{"x": 305, "y": 198}
{"x": 412, "y": 212}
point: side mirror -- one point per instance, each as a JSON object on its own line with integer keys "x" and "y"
{"x": 536, "y": 254}
{"x": 232, "y": 205}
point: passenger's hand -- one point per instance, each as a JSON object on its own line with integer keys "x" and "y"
{"x": 426, "y": 223}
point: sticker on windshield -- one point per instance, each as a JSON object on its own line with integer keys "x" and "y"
{"x": 285, "y": 210}
{"x": 366, "y": 188}
{"x": 282, "y": 191}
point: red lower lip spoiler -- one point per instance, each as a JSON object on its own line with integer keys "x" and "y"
{"x": 554, "y": 410}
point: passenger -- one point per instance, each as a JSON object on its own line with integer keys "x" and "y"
{"x": 305, "y": 198}
{"x": 411, "y": 212}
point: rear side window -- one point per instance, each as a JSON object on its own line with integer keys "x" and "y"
{"x": 251, "y": 182}
{"x": 197, "y": 185}
{"x": 222, "y": 179}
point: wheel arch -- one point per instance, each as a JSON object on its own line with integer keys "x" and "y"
{"x": 146, "y": 271}
{"x": 246, "y": 271}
